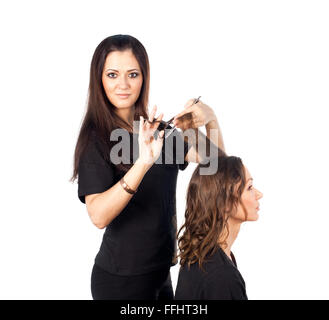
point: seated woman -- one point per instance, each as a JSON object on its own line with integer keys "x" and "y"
{"x": 217, "y": 204}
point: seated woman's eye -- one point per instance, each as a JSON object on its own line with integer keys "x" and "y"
{"x": 111, "y": 75}
{"x": 250, "y": 187}
{"x": 133, "y": 75}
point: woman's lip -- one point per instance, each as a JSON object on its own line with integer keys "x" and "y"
{"x": 123, "y": 96}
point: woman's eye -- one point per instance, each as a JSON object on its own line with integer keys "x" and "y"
{"x": 250, "y": 187}
{"x": 111, "y": 75}
{"x": 133, "y": 75}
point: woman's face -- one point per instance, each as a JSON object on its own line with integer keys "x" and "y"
{"x": 248, "y": 210}
{"x": 122, "y": 78}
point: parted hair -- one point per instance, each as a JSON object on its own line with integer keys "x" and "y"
{"x": 100, "y": 117}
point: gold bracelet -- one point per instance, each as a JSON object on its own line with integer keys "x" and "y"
{"x": 126, "y": 187}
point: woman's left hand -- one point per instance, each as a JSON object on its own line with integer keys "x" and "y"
{"x": 200, "y": 114}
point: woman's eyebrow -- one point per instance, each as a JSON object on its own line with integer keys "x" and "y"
{"x": 118, "y": 71}
{"x": 250, "y": 179}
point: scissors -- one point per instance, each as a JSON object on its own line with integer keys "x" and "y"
{"x": 167, "y": 123}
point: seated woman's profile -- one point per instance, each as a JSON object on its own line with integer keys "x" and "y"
{"x": 216, "y": 207}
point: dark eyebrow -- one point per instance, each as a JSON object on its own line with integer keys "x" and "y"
{"x": 118, "y": 71}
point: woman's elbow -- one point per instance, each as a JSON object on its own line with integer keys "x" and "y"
{"x": 94, "y": 212}
{"x": 97, "y": 220}
{"x": 100, "y": 226}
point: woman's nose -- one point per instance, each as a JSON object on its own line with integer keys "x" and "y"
{"x": 123, "y": 82}
{"x": 259, "y": 195}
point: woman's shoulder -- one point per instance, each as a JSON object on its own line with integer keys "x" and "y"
{"x": 219, "y": 259}
{"x": 222, "y": 268}
{"x": 224, "y": 283}
{"x": 211, "y": 265}
{"x": 93, "y": 150}
{"x": 222, "y": 271}
{"x": 216, "y": 266}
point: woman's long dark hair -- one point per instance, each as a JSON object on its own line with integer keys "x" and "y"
{"x": 210, "y": 201}
{"x": 100, "y": 117}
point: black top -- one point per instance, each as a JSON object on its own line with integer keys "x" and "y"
{"x": 221, "y": 280}
{"x": 142, "y": 237}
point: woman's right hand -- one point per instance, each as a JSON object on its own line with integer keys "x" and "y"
{"x": 149, "y": 147}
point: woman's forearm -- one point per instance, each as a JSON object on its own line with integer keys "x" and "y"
{"x": 214, "y": 134}
{"x": 202, "y": 147}
{"x": 105, "y": 206}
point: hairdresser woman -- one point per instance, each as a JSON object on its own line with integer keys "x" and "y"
{"x": 135, "y": 202}
{"x": 216, "y": 206}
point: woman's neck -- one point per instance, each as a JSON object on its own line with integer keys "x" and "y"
{"x": 233, "y": 228}
{"x": 126, "y": 114}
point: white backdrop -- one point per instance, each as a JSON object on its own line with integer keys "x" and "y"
{"x": 261, "y": 65}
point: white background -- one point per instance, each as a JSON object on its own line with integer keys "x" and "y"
{"x": 261, "y": 65}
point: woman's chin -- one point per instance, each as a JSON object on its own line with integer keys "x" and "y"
{"x": 122, "y": 103}
{"x": 253, "y": 217}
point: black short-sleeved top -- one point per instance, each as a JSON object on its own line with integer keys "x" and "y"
{"x": 142, "y": 237}
{"x": 220, "y": 280}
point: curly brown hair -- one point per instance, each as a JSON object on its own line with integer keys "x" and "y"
{"x": 210, "y": 201}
